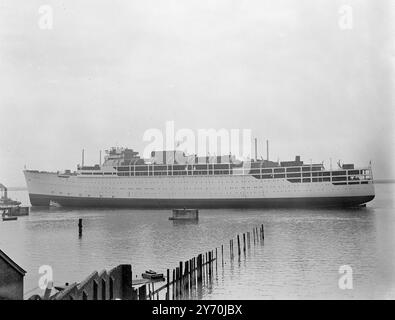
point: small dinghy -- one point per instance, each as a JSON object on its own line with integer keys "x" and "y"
{"x": 8, "y": 218}
{"x": 150, "y": 274}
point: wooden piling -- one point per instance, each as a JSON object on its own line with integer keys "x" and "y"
{"x": 230, "y": 248}
{"x": 167, "y": 284}
{"x": 187, "y": 276}
{"x": 173, "y": 287}
{"x": 222, "y": 254}
{"x": 244, "y": 242}
{"x": 199, "y": 268}
{"x": 216, "y": 259}
{"x": 80, "y": 226}
{"x": 142, "y": 292}
{"x": 238, "y": 244}
{"x": 180, "y": 279}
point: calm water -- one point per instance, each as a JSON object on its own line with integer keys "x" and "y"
{"x": 301, "y": 256}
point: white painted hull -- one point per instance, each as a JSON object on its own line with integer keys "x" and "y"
{"x": 201, "y": 191}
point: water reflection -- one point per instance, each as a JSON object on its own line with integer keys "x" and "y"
{"x": 300, "y": 258}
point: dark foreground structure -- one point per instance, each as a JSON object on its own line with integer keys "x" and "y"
{"x": 11, "y": 279}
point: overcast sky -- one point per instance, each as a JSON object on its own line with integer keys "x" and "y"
{"x": 109, "y": 70}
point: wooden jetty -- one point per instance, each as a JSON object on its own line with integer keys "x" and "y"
{"x": 182, "y": 282}
{"x": 14, "y": 211}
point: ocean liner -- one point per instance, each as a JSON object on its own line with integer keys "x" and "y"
{"x": 169, "y": 179}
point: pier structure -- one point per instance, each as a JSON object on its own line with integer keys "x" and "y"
{"x": 182, "y": 282}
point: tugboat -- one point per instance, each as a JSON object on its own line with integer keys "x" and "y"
{"x": 4, "y": 200}
{"x": 10, "y": 209}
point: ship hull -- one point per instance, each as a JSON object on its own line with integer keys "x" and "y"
{"x": 225, "y": 191}
{"x": 351, "y": 201}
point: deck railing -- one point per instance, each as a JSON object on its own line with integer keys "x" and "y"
{"x": 292, "y": 174}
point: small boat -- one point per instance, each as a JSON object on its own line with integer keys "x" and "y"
{"x": 185, "y": 214}
{"x": 8, "y": 218}
{"x": 150, "y": 274}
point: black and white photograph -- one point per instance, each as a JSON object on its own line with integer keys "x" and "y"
{"x": 188, "y": 151}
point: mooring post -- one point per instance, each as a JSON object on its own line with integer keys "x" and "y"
{"x": 231, "y": 248}
{"x": 244, "y": 242}
{"x": 253, "y": 235}
{"x": 263, "y": 233}
{"x": 80, "y": 226}
{"x": 238, "y": 244}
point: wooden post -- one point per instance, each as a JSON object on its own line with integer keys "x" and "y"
{"x": 199, "y": 268}
{"x": 180, "y": 279}
{"x": 168, "y": 285}
{"x": 173, "y": 286}
{"x": 177, "y": 281}
{"x": 80, "y": 227}
{"x": 149, "y": 291}
{"x": 263, "y": 233}
{"x": 253, "y": 234}
{"x": 216, "y": 260}
{"x": 205, "y": 267}
{"x": 143, "y": 293}
{"x": 210, "y": 266}
{"x": 244, "y": 242}
{"x": 238, "y": 245}
{"x": 193, "y": 272}
{"x": 186, "y": 276}
{"x": 231, "y": 248}
{"x": 222, "y": 254}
